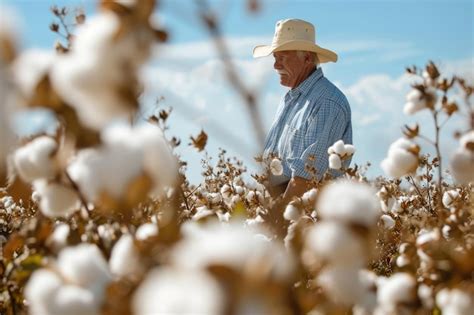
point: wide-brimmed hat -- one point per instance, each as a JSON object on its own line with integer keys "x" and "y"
{"x": 295, "y": 34}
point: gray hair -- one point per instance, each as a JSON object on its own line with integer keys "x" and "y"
{"x": 301, "y": 54}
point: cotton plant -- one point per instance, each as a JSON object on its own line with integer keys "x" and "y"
{"x": 74, "y": 284}
{"x": 462, "y": 160}
{"x": 333, "y": 241}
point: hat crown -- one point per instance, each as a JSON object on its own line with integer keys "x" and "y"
{"x": 293, "y": 29}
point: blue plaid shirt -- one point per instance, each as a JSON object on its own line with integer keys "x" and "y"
{"x": 309, "y": 119}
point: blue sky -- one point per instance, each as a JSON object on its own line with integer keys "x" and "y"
{"x": 375, "y": 41}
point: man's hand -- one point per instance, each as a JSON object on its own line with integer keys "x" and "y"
{"x": 296, "y": 187}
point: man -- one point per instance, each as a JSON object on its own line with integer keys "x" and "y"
{"x": 313, "y": 114}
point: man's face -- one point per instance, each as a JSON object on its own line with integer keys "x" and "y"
{"x": 290, "y": 67}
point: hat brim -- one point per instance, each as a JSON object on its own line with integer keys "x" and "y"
{"x": 324, "y": 55}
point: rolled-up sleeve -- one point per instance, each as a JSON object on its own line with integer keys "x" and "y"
{"x": 325, "y": 128}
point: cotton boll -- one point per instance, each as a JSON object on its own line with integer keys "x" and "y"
{"x": 309, "y": 197}
{"x": 125, "y": 258}
{"x": 146, "y": 231}
{"x": 427, "y": 236}
{"x": 84, "y": 265}
{"x": 209, "y": 244}
{"x": 339, "y": 148}
{"x": 255, "y": 221}
{"x": 58, "y": 239}
{"x": 415, "y": 102}
{"x": 341, "y": 284}
{"x": 276, "y": 168}
{"x": 56, "y": 200}
{"x": 454, "y": 302}
{"x": 462, "y": 166}
{"x": 335, "y": 162}
{"x": 41, "y": 290}
{"x": 74, "y": 300}
{"x": 400, "y": 288}
{"x": 388, "y": 221}
{"x": 226, "y": 191}
{"x": 170, "y": 290}
{"x": 292, "y": 213}
{"x": 95, "y": 170}
{"x": 402, "y": 158}
{"x": 449, "y": 197}
{"x": 349, "y": 149}
{"x": 36, "y": 159}
{"x": 350, "y": 202}
{"x": 425, "y": 293}
{"x": 29, "y": 68}
{"x": 335, "y": 243}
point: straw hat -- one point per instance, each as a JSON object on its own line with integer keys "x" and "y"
{"x": 294, "y": 34}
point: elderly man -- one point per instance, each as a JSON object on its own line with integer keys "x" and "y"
{"x": 313, "y": 114}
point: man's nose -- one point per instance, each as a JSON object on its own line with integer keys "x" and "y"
{"x": 276, "y": 65}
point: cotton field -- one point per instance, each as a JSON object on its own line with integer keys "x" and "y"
{"x": 100, "y": 219}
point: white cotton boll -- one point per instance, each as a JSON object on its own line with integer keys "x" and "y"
{"x": 89, "y": 77}
{"x": 446, "y": 231}
{"x": 146, "y": 231}
{"x": 425, "y": 237}
{"x": 292, "y": 213}
{"x": 29, "y": 68}
{"x": 309, "y": 197}
{"x": 349, "y": 149}
{"x": 84, "y": 265}
{"x": 239, "y": 190}
{"x": 400, "y": 288}
{"x": 149, "y": 142}
{"x": 255, "y": 221}
{"x": 250, "y": 196}
{"x": 226, "y": 191}
{"x": 233, "y": 245}
{"x": 462, "y": 166}
{"x": 368, "y": 297}
{"x": 125, "y": 258}
{"x": 95, "y": 170}
{"x": 223, "y": 217}
{"x": 388, "y": 221}
{"x": 36, "y": 159}
{"x": 350, "y": 202}
{"x": 335, "y": 162}
{"x": 425, "y": 293}
{"x": 331, "y": 150}
{"x": 168, "y": 290}
{"x": 415, "y": 102}
{"x": 202, "y": 212}
{"x": 454, "y": 302}
{"x": 56, "y": 200}
{"x": 402, "y": 261}
{"x": 449, "y": 197}
{"x": 335, "y": 243}
{"x": 58, "y": 239}
{"x": 400, "y": 160}
{"x": 159, "y": 161}
{"x": 276, "y": 168}
{"x": 74, "y": 300}
{"x": 339, "y": 147}
{"x": 341, "y": 283}
{"x": 41, "y": 290}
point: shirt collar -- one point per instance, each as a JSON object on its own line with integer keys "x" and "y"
{"x": 306, "y": 85}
